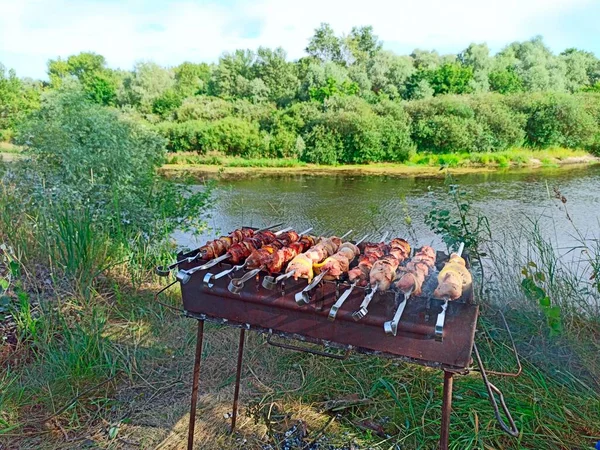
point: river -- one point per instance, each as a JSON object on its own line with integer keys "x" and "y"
{"x": 369, "y": 204}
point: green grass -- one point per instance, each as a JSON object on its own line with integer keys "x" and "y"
{"x": 517, "y": 157}
{"x": 228, "y": 161}
{"x": 512, "y": 157}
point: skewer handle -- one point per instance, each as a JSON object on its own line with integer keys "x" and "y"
{"x": 340, "y": 301}
{"x": 363, "y": 311}
{"x": 237, "y": 284}
{"x": 441, "y": 319}
{"x": 391, "y": 327}
{"x": 302, "y": 297}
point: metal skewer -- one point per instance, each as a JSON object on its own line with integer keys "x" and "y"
{"x": 164, "y": 271}
{"x": 362, "y": 312}
{"x": 183, "y": 276}
{"x": 340, "y": 301}
{"x": 237, "y": 284}
{"x": 441, "y": 318}
{"x": 210, "y": 277}
{"x": 391, "y": 326}
{"x": 303, "y": 297}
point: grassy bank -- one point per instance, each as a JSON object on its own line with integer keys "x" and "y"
{"x": 419, "y": 164}
{"x": 113, "y": 370}
{"x": 97, "y": 362}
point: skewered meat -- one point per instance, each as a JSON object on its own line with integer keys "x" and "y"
{"x": 302, "y": 264}
{"x": 219, "y": 246}
{"x": 338, "y": 263}
{"x": 262, "y": 255}
{"x": 371, "y": 253}
{"x": 383, "y": 272}
{"x": 286, "y": 254}
{"x": 400, "y": 249}
{"x": 241, "y": 250}
{"x": 453, "y": 279}
{"x": 412, "y": 276}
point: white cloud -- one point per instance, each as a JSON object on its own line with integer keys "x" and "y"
{"x": 32, "y": 31}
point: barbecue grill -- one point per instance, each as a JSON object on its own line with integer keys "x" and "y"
{"x": 424, "y": 330}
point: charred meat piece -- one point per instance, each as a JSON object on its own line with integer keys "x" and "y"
{"x": 453, "y": 279}
{"x": 383, "y": 272}
{"x": 339, "y": 263}
{"x": 371, "y": 253}
{"x": 219, "y": 246}
{"x": 300, "y": 264}
{"x": 412, "y": 275}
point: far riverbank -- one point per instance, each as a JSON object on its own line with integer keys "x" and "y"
{"x": 419, "y": 165}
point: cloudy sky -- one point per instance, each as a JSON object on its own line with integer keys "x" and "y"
{"x": 172, "y": 31}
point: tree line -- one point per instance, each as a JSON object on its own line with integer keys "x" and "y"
{"x": 347, "y": 100}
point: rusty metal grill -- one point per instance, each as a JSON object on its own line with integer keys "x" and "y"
{"x": 277, "y": 313}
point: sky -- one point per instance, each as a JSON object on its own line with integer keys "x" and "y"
{"x": 172, "y": 31}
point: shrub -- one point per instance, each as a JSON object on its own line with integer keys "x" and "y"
{"x": 445, "y": 124}
{"x": 560, "y": 120}
{"x": 322, "y": 146}
{"x": 284, "y": 144}
{"x": 235, "y": 137}
{"x": 184, "y": 137}
{"x": 88, "y": 156}
{"x": 502, "y": 127}
{"x": 203, "y": 108}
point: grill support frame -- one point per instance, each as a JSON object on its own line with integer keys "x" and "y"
{"x": 446, "y": 395}
{"x": 321, "y": 305}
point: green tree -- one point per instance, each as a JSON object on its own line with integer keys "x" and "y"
{"x": 144, "y": 85}
{"x": 191, "y": 79}
{"x": 583, "y": 69}
{"x": 389, "y": 73}
{"x": 17, "y": 100}
{"x": 425, "y": 60}
{"x": 325, "y": 45}
{"x": 100, "y": 83}
{"x": 362, "y": 44}
{"x": 277, "y": 74}
{"x": 534, "y": 63}
{"x": 477, "y": 57}
{"x": 451, "y": 78}
{"x": 505, "y": 81}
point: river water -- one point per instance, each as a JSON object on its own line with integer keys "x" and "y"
{"x": 370, "y": 204}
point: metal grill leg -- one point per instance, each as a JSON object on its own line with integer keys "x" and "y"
{"x": 237, "y": 378}
{"x": 194, "y": 401}
{"x": 446, "y": 409}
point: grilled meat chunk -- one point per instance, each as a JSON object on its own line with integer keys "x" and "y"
{"x": 453, "y": 279}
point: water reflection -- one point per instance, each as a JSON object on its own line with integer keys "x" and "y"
{"x": 374, "y": 203}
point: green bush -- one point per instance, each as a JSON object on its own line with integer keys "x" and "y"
{"x": 283, "y": 144}
{"x": 185, "y": 136}
{"x": 93, "y": 158}
{"x": 203, "y": 108}
{"x": 502, "y": 127}
{"x": 322, "y": 146}
{"x": 560, "y": 120}
{"x": 445, "y": 125}
{"x": 235, "y": 137}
